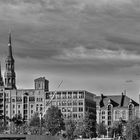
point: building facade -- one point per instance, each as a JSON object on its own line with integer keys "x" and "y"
{"x": 73, "y": 104}
{"x": 115, "y": 107}
{"x": 28, "y": 101}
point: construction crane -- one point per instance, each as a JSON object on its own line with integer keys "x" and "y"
{"x": 49, "y": 102}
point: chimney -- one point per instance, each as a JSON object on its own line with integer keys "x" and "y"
{"x": 102, "y": 96}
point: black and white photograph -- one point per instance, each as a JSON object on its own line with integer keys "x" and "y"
{"x": 69, "y": 69}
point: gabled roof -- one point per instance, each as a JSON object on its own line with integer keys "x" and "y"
{"x": 115, "y": 100}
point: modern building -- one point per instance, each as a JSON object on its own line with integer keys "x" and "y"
{"x": 73, "y": 104}
{"x": 28, "y": 101}
{"x": 112, "y": 108}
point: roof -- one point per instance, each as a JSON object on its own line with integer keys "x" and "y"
{"x": 116, "y": 100}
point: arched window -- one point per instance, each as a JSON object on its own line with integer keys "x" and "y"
{"x": 130, "y": 109}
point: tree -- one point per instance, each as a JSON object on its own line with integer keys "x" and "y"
{"x": 133, "y": 129}
{"x": 101, "y": 129}
{"x": 17, "y": 122}
{"x": 54, "y": 121}
{"x": 2, "y": 126}
{"x": 87, "y": 127}
{"x": 117, "y": 129}
{"x": 70, "y": 129}
{"x": 36, "y": 124}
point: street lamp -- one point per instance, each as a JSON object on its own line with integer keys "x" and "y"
{"x": 107, "y": 132}
{"x": 40, "y": 117}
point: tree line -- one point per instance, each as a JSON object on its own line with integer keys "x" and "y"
{"x": 52, "y": 123}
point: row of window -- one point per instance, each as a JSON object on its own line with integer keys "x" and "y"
{"x": 66, "y": 103}
{"x": 66, "y": 95}
{"x": 25, "y": 106}
{"x": 74, "y": 115}
{"x": 19, "y": 99}
{"x": 72, "y": 109}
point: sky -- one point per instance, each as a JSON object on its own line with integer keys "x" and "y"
{"x": 91, "y": 45}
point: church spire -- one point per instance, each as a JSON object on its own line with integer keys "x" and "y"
{"x": 10, "y": 46}
{"x": 10, "y": 76}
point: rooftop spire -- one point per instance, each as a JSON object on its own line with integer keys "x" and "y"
{"x": 10, "y": 46}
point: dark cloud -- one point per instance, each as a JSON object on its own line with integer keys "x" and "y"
{"x": 47, "y": 35}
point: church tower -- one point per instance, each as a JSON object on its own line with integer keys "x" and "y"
{"x": 10, "y": 76}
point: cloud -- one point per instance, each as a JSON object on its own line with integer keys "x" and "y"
{"x": 129, "y": 81}
{"x": 82, "y": 53}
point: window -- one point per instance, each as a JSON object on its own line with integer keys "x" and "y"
{"x": 19, "y": 99}
{"x": 13, "y": 106}
{"x": 81, "y": 94}
{"x": 13, "y": 111}
{"x": 64, "y": 115}
{"x": 41, "y": 108}
{"x": 6, "y": 106}
{"x": 31, "y": 99}
{"x": 36, "y": 108}
{"x": 75, "y": 102}
{"x": 25, "y": 111}
{"x": 13, "y": 100}
{"x": 80, "y": 109}
{"x": 32, "y": 106}
{"x": 123, "y": 114}
{"x": 103, "y": 122}
{"x": 109, "y": 123}
{"x": 64, "y": 109}
{"x": 80, "y": 102}
{"x": 1, "y": 94}
{"x": 64, "y": 103}
{"x": 32, "y": 111}
{"x": 109, "y": 114}
{"x": 18, "y": 111}
{"x": 74, "y": 115}
{"x": 80, "y": 115}
{"x": 69, "y": 95}
{"x": 69, "y": 103}
{"x": 74, "y": 109}
{"x": 69, "y": 115}
{"x": 53, "y": 103}
{"x": 25, "y": 99}
{"x": 117, "y": 114}
{"x": 74, "y": 95}
{"x": 130, "y": 111}
{"x": 25, "y": 106}
{"x": 58, "y": 95}
{"x": 103, "y": 117}
{"x": 64, "y": 95}
{"x": 103, "y": 112}
{"x": 69, "y": 109}
{"x": 18, "y": 106}
{"x": 59, "y": 103}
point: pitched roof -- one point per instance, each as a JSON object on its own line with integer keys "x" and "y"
{"x": 115, "y": 100}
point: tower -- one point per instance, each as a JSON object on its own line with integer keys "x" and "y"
{"x": 10, "y": 81}
{"x": 41, "y": 84}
